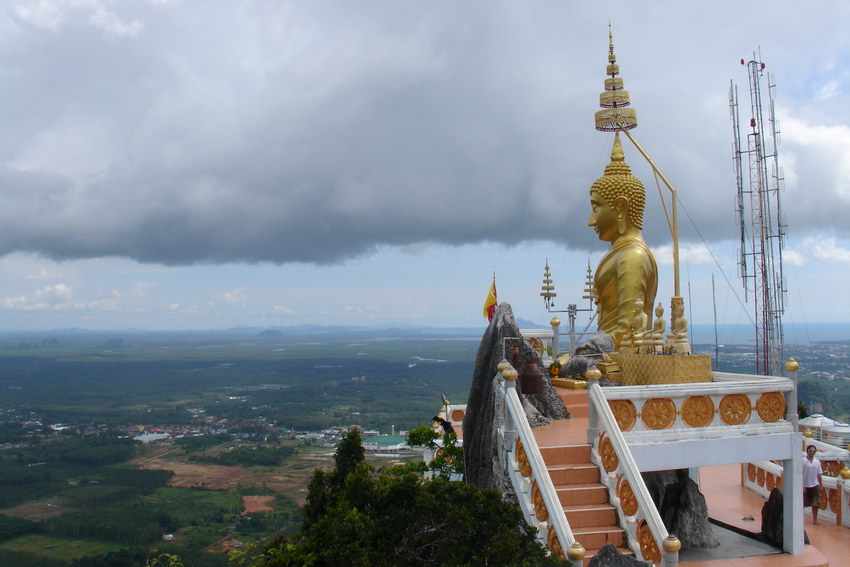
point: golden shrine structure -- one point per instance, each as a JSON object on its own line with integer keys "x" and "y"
{"x": 579, "y": 481}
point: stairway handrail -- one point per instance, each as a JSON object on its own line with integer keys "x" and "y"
{"x": 630, "y": 470}
{"x": 557, "y": 517}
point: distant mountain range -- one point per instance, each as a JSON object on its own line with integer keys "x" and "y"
{"x": 795, "y": 333}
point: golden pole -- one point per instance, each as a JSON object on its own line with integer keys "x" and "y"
{"x": 673, "y": 205}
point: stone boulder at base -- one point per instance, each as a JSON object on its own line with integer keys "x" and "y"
{"x": 608, "y": 556}
{"x": 483, "y": 455}
{"x": 772, "y": 518}
{"x": 682, "y": 507}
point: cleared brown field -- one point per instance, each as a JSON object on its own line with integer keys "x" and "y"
{"x": 40, "y": 510}
{"x": 255, "y": 504}
{"x": 196, "y": 475}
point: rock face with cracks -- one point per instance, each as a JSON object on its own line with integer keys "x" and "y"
{"x": 483, "y": 454}
{"x": 682, "y": 507}
{"x": 608, "y": 556}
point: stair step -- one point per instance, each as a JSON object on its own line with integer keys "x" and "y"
{"x": 577, "y": 410}
{"x": 576, "y": 401}
{"x": 577, "y": 494}
{"x": 579, "y": 473}
{"x": 566, "y": 454}
{"x": 596, "y": 537}
{"x": 590, "y": 515}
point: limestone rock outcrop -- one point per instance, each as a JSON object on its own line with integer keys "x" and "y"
{"x": 682, "y": 507}
{"x": 483, "y": 455}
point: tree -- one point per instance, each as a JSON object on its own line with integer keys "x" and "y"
{"x": 380, "y": 518}
{"x": 448, "y": 455}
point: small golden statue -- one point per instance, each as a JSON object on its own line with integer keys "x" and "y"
{"x": 653, "y": 340}
{"x": 628, "y": 271}
{"x": 677, "y": 340}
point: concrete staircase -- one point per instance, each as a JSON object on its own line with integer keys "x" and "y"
{"x": 585, "y": 500}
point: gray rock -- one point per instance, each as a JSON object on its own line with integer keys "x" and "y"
{"x": 597, "y": 344}
{"x": 608, "y": 556}
{"x": 576, "y": 367}
{"x": 772, "y": 515}
{"x": 483, "y": 455}
{"x": 682, "y": 507}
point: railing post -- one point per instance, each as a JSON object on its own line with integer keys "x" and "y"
{"x": 575, "y": 554}
{"x": 556, "y": 342}
{"x": 593, "y": 375}
{"x": 509, "y": 375}
{"x": 843, "y": 482}
{"x": 792, "y": 502}
{"x": 791, "y": 367}
{"x": 671, "y": 545}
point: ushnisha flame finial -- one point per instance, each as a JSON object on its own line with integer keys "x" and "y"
{"x": 547, "y": 290}
{"x": 614, "y": 99}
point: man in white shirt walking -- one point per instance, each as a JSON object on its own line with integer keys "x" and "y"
{"x": 812, "y": 481}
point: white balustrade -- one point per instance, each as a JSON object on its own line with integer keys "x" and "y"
{"x": 626, "y": 489}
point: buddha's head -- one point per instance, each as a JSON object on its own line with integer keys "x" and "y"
{"x": 617, "y": 198}
{"x": 638, "y": 306}
{"x": 659, "y": 311}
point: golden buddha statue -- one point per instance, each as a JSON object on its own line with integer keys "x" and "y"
{"x": 628, "y": 271}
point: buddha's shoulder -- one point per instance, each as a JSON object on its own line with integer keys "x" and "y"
{"x": 633, "y": 251}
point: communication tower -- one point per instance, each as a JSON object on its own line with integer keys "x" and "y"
{"x": 762, "y": 224}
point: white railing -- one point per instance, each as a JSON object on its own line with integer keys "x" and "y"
{"x": 674, "y": 412}
{"x": 762, "y": 477}
{"x": 627, "y": 492}
{"x": 530, "y": 478}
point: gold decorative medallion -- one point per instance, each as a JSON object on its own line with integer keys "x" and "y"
{"x": 771, "y": 481}
{"x": 760, "y": 476}
{"x": 628, "y": 501}
{"x": 834, "y": 504}
{"x": 648, "y": 547}
{"x": 735, "y": 409}
{"x": 658, "y": 413}
{"x": 522, "y": 458}
{"x": 624, "y": 412}
{"x": 610, "y": 460}
{"x": 698, "y": 411}
{"x": 540, "y": 509}
{"x": 751, "y": 472}
{"x": 834, "y": 468}
{"x": 554, "y": 544}
{"x": 771, "y": 406}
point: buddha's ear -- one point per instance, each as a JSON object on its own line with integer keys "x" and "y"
{"x": 621, "y": 204}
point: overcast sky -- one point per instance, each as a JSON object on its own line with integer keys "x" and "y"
{"x": 175, "y": 164}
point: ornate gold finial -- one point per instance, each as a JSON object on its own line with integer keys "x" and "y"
{"x": 503, "y": 364}
{"x": 510, "y": 374}
{"x": 671, "y": 544}
{"x": 792, "y": 365}
{"x": 614, "y": 99}
{"x": 807, "y": 434}
{"x": 548, "y": 290}
{"x": 845, "y": 473}
{"x": 593, "y": 374}
{"x": 576, "y": 551}
{"x": 555, "y": 322}
{"x": 589, "y": 290}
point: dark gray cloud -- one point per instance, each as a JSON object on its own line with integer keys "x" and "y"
{"x": 313, "y": 132}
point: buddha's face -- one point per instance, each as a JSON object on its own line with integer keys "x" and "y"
{"x": 603, "y": 217}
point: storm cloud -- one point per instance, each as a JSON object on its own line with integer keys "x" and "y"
{"x": 177, "y": 132}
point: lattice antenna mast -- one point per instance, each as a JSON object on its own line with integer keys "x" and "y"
{"x": 762, "y": 225}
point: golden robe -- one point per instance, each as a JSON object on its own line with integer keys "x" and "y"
{"x": 627, "y": 272}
